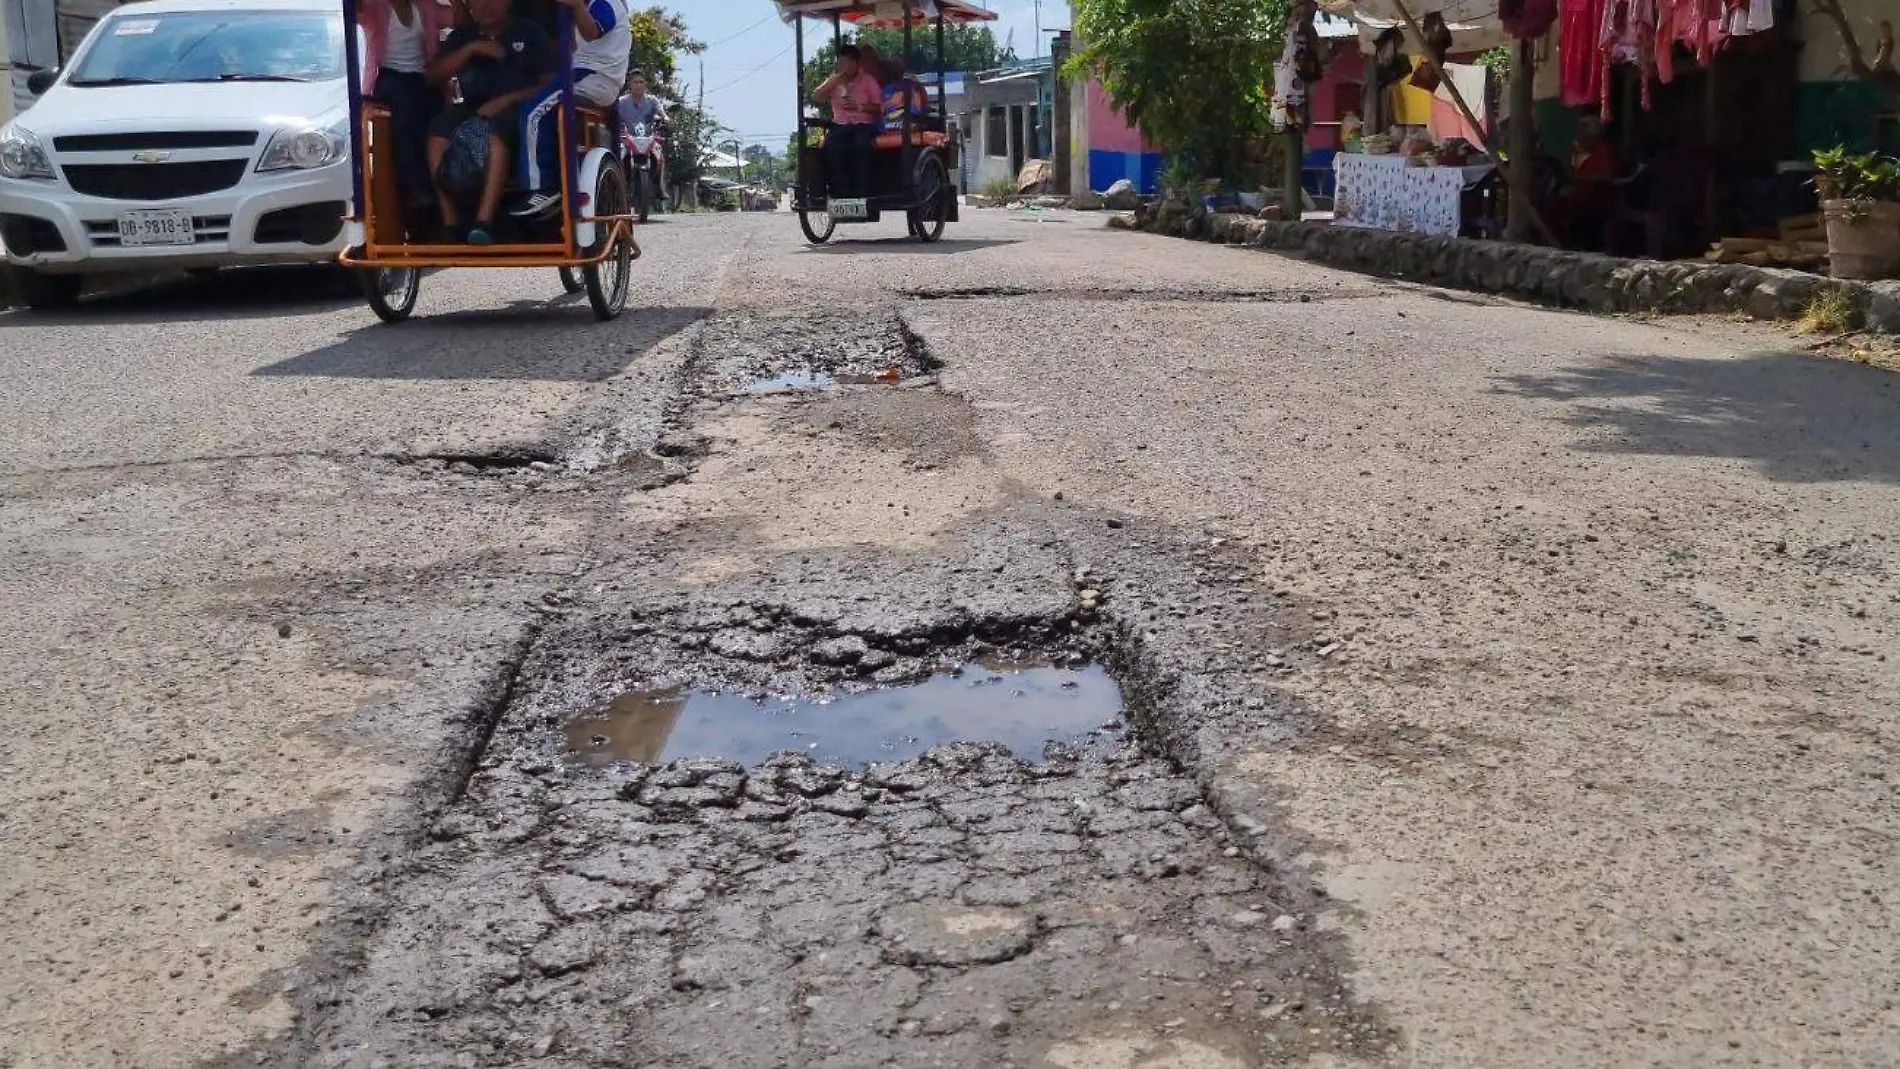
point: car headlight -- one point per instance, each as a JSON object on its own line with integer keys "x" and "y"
{"x": 303, "y": 148}
{"x": 22, "y": 155}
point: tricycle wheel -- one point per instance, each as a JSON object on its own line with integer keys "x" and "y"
{"x": 817, "y": 226}
{"x": 933, "y": 197}
{"x": 571, "y": 280}
{"x": 607, "y": 280}
{"x": 392, "y": 291}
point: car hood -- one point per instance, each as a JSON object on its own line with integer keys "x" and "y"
{"x": 182, "y": 106}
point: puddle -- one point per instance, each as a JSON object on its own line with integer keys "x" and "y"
{"x": 1020, "y": 706}
{"x": 807, "y": 379}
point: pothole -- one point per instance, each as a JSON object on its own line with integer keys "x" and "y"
{"x": 498, "y": 462}
{"x": 812, "y": 351}
{"x": 1023, "y": 706}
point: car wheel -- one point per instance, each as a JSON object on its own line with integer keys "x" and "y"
{"x": 47, "y": 292}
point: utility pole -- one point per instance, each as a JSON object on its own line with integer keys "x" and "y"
{"x": 1036, "y": 51}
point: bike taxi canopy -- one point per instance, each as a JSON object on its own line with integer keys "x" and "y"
{"x": 884, "y": 14}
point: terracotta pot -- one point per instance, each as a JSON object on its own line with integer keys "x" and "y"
{"x": 1863, "y": 238}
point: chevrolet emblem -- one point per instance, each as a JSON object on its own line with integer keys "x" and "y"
{"x": 151, "y": 157}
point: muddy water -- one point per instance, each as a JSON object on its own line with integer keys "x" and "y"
{"x": 807, "y": 379}
{"x": 1022, "y": 707}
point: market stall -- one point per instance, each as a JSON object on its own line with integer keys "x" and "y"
{"x": 1392, "y": 192}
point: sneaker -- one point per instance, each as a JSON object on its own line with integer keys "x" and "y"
{"x": 479, "y": 235}
{"x": 537, "y": 205}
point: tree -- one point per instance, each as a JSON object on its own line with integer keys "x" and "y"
{"x": 1195, "y": 77}
{"x": 965, "y": 48}
{"x": 659, "y": 39}
{"x": 764, "y": 166}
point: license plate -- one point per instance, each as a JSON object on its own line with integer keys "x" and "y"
{"x": 858, "y": 208}
{"x": 171, "y": 227}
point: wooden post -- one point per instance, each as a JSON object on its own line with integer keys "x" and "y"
{"x": 1520, "y": 196}
{"x": 1523, "y": 141}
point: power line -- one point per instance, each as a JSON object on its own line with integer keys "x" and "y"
{"x": 735, "y": 36}
{"x": 753, "y": 71}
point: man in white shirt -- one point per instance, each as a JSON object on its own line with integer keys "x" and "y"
{"x": 602, "y": 42}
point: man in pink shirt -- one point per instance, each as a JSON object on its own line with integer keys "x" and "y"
{"x": 856, "y": 100}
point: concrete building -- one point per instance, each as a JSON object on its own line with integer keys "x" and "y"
{"x": 1005, "y": 121}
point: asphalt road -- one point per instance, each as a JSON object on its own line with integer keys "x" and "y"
{"x": 1513, "y": 687}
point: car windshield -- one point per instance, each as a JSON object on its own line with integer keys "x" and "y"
{"x": 214, "y": 46}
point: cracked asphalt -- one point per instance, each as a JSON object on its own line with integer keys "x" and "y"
{"x": 1501, "y": 686}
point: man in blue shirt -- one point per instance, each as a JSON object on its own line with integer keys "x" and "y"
{"x": 637, "y": 109}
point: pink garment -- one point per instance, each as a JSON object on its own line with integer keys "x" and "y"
{"x": 1628, "y": 36}
{"x": 858, "y": 102}
{"x": 1579, "y": 55}
{"x": 373, "y": 17}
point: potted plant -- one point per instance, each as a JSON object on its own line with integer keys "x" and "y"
{"x": 1860, "y": 199}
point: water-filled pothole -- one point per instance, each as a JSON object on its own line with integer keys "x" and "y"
{"x": 809, "y": 379}
{"x": 1023, "y": 707}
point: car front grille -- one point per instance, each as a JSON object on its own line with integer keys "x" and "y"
{"x": 154, "y": 181}
{"x": 162, "y": 139}
{"x": 205, "y": 230}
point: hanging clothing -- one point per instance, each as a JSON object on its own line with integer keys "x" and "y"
{"x": 1580, "y": 66}
{"x": 1628, "y": 36}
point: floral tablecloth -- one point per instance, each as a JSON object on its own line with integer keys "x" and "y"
{"x": 1386, "y": 193}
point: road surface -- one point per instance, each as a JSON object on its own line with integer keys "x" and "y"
{"x": 1503, "y": 686}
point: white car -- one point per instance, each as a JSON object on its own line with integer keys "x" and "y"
{"x": 191, "y": 134}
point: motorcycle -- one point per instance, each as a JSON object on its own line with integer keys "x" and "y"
{"x": 644, "y": 155}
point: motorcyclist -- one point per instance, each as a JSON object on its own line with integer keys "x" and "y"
{"x": 636, "y": 106}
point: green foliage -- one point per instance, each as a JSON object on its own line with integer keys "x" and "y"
{"x": 999, "y": 190}
{"x": 1841, "y": 176}
{"x": 1194, "y": 75}
{"x": 692, "y": 134}
{"x": 659, "y": 39}
{"x": 1497, "y": 59}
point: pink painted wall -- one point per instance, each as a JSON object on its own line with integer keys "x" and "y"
{"x": 1108, "y": 131}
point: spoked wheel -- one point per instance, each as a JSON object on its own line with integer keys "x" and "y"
{"x": 817, "y": 226}
{"x": 607, "y": 280}
{"x": 392, "y": 291}
{"x": 933, "y": 193}
{"x": 571, "y": 280}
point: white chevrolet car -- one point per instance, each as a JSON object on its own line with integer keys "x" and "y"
{"x": 191, "y": 134}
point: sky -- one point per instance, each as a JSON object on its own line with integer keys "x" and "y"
{"x": 749, "y": 57}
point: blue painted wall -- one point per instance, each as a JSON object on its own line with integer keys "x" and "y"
{"x": 1141, "y": 168}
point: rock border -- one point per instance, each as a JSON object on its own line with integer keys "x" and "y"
{"x": 1582, "y": 280}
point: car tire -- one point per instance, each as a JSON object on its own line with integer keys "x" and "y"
{"x": 46, "y": 292}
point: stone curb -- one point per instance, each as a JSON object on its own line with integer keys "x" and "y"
{"x": 1582, "y": 280}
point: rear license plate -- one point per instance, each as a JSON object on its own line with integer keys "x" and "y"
{"x": 846, "y": 210}
{"x": 170, "y": 227}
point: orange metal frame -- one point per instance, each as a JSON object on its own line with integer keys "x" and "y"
{"x": 519, "y": 254}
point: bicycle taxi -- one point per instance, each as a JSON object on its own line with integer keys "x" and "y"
{"x": 911, "y": 165}
{"x": 589, "y": 239}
